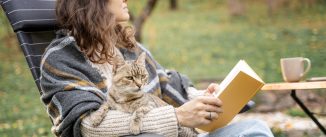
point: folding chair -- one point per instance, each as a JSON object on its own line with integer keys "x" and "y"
{"x": 35, "y": 25}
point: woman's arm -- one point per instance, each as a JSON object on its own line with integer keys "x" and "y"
{"x": 161, "y": 121}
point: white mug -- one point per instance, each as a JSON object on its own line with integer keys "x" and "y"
{"x": 293, "y": 69}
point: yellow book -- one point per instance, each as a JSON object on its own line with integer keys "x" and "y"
{"x": 239, "y": 86}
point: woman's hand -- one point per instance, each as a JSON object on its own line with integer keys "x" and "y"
{"x": 201, "y": 110}
{"x": 213, "y": 87}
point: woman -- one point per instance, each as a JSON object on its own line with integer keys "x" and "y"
{"x": 76, "y": 73}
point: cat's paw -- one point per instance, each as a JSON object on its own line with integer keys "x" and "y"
{"x": 98, "y": 116}
{"x": 135, "y": 128}
{"x": 96, "y": 121}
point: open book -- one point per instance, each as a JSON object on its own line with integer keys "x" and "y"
{"x": 239, "y": 86}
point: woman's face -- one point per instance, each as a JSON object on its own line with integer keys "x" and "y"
{"x": 119, "y": 9}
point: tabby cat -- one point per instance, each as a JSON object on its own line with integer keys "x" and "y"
{"x": 126, "y": 94}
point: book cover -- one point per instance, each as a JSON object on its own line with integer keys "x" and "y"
{"x": 239, "y": 86}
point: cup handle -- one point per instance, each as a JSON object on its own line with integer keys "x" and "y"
{"x": 307, "y": 68}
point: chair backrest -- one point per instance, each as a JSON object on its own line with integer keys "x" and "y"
{"x": 35, "y": 24}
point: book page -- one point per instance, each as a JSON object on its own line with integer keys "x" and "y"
{"x": 248, "y": 70}
{"x": 240, "y": 66}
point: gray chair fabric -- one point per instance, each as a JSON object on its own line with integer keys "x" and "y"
{"x": 33, "y": 45}
{"x": 30, "y": 15}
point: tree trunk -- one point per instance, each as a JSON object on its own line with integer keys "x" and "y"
{"x": 140, "y": 20}
{"x": 236, "y": 7}
{"x": 311, "y": 3}
{"x": 173, "y": 4}
{"x": 270, "y": 7}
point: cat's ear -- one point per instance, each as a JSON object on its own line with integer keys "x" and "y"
{"x": 141, "y": 59}
{"x": 119, "y": 62}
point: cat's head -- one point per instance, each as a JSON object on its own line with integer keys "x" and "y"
{"x": 131, "y": 76}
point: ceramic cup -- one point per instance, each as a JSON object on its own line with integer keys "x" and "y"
{"x": 293, "y": 69}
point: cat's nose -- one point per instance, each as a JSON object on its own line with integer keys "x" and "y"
{"x": 138, "y": 84}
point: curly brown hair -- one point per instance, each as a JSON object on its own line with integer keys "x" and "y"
{"x": 94, "y": 28}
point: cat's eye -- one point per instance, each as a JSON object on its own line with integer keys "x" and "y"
{"x": 129, "y": 78}
{"x": 143, "y": 76}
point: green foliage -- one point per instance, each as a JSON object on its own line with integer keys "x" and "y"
{"x": 200, "y": 39}
{"x": 22, "y": 113}
{"x": 278, "y": 132}
{"x": 296, "y": 112}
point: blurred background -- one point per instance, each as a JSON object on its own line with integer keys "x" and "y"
{"x": 203, "y": 39}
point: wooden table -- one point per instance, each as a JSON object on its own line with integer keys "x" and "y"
{"x": 299, "y": 86}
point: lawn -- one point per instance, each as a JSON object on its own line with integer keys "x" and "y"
{"x": 200, "y": 40}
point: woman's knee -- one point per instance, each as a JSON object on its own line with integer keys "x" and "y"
{"x": 251, "y": 128}
{"x": 250, "y": 123}
{"x": 259, "y": 122}
{"x": 256, "y": 127}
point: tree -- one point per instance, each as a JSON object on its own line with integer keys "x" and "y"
{"x": 236, "y": 7}
{"x": 173, "y": 4}
{"x": 270, "y": 5}
{"x": 140, "y": 20}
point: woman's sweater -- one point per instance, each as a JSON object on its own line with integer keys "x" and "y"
{"x": 72, "y": 88}
{"x": 161, "y": 121}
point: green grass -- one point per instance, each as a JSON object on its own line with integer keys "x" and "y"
{"x": 200, "y": 40}
{"x": 22, "y": 113}
{"x": 296, "y": 112}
